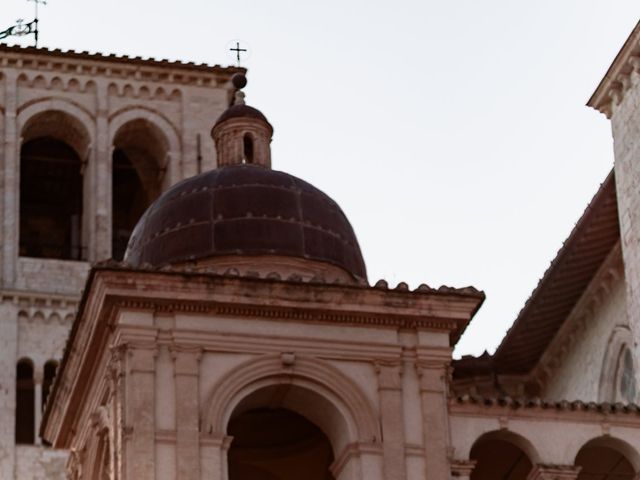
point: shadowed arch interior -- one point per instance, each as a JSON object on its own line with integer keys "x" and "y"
{"x": 273, "y": 442}
{"x": 139, "y": 165}
{"x": 51, "y": 187}
{"x": 607, "y": 458}
{"x": 498, "y": 458}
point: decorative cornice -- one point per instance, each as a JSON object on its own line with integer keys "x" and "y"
{"x": 616, "y": 81}
{"x": 97, "y": 64}
{"x": 537, "y": 404}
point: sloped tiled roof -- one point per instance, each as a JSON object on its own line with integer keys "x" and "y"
{"x": 557, "y": 293}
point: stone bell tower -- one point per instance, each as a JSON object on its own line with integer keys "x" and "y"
{"x": 618, "y": 97}
{"x": 240, "y": 339}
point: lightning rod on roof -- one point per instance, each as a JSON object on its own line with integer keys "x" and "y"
{"x": 20, "y": 29}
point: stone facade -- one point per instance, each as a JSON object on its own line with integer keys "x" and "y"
{"x": 165, "y": 362}
{"x": 91, "y": 102}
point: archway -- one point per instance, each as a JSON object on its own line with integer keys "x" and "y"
{"x": 501, "y": 456}
{"x": 277, "y": 444}
{"x": 139, "y": 166}
{"x": 51, "y": 186}
{"x": 607, "y": 458}
{"x": 312, "y": 389}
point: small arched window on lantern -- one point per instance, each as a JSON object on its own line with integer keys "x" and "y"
{"x": 248, "y": 148}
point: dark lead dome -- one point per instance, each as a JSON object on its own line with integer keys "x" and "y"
{"x": 244, "y": 210}
{"x": 242, "y": 111}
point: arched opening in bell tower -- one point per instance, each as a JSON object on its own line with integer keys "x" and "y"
{"x": 140, "y": 152}
{"x": 51, "y": 187}
{"x": 274, "y": 439}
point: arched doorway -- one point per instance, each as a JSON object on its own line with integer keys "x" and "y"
{"x": 51, "y": 187}
{"x": 500, "y": 456}
{"x": 606, "y": 459}
{"x": 139, "y": 165}
{"x": 277, "y": 444}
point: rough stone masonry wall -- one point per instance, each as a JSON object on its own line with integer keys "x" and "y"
{"x": 625, "y": 121}
{"x": 578, "y": 376}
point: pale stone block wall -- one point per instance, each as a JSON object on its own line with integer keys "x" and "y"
{"x": 578, "y": 376}
{"x": 40, "y": 463}
{"x": 625, "y": 122}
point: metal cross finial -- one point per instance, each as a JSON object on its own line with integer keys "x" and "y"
{"x": 237, "y": 49}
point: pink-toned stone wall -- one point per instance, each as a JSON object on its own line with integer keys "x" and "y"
{"x": 35, "y": 318}
{"x": 578, "y": 374}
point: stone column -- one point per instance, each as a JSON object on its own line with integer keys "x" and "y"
{"x": 554, "y": 472}
{"x": 10, "y": 177}
{"x": 186, "y": 370}
{"x": 37, "y": 380}
{"x": 98, "y": 197}
{"x": 462, "y": 469}
{"x": 432, "y": 369}
{"x": 391, "y": 413}
{"x": 140, "y": 415}
{"x": 8, "y": 360}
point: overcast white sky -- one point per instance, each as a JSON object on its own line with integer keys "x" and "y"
{"x": 454, "y": 134}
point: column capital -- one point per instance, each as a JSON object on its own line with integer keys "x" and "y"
{"x": 461, "y": 469}
{"x": 389, "y": 375}
{"x": 554, "y": 472}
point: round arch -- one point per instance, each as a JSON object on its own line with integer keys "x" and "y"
{"x": 82, "y": 121}
{"x": 128, "y": 114}
{"x": 513, "y": 438}
{"x": 502, "y": 454}
{"x": 619, "y": 340}
{"x": 614, "y": 443}
{"x": 345, "y": 415}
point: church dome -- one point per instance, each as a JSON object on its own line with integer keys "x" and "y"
{"x": 245, "y": 216}
{"x": 245, "y": 210}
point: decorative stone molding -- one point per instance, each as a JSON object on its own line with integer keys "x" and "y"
{"x": 461, "y": 469}
{"x": 359, "y": 417}
{"x": 554, "y": 472}
{"x": 112, "y": 66}
{"x": 389, "y": 375}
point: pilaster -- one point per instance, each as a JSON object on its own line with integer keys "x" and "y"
{"x": 99, "y": 196}
{"x": 391, "y": 413}
{"x": 140, "y": 416}
{"x": 10, "y": 171}
{"x": 186, "y": 368}
{"x": 432, "y": 370}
